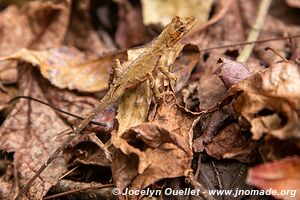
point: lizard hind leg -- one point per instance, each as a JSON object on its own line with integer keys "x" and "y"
{"x": 165, "y": 69}
{"x": 155, "y": 90}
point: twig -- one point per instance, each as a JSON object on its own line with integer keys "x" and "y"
{"x": 54, "y": 108}
{"x": 68, "y": 172}
{"x": 77, "y": 190}
{"x": 234, "y": 44}
{"x": 254, "y": 33}
{"x": 198, "y": 186}
{"x": 276, "y": 52}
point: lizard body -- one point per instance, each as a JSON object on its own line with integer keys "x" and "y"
{"x": 133, "y": 75}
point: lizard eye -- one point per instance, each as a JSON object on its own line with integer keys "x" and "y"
{"x": 181, "y": 29}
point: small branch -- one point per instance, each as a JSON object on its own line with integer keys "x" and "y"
{"x": 198, "y": 186}
{"x": 77, "y": 190}
{"x": 54, "y": 108}
{"x": 255, "y": 31}
{"x": 234, "y": 44}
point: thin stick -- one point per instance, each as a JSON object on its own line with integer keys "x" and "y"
{"x": 234, "y": 44}
{"x": 77, "y": 190}
{"x": 68, "y": 172}
{"x": 277, "y": 53}
{"x": 54, "y": 108}
{"x": 198, "y": 186}
{"x": 254, "y": 33}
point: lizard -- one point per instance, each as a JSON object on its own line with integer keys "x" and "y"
{"x": 134, "y": 74}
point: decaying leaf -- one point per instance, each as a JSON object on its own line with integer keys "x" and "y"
{"x": 134, "y": 104}
{"x": 88, "y": 149}
{"x": 154, "y": 150}
{"x": 269, "y": 101}
{"x": 81, "y": 33}
{"x": 130, "y": 18}
{"x": 184, "y": 65}
{"x": 280, "y": 175}
{"x": 38, "y": 25}
{"x": 162, "y": 11}
{"x": 69, "y": 68}
{"x": 275, "y": 149}
{"x": 231, "y": 72}
{"x": 231, "y": 143}
{"x": 30, "y": 131}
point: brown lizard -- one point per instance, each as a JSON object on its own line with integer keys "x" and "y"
{"x": 137, "y": 72}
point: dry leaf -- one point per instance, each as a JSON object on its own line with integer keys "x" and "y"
{"x": 269, "y": 101}
{"x": 279, "y": 175}
{"x": 69, "y": 68}
{"x": 231, "y": 72}
{"x": 88, "y": 149}
{"x": 135, "y": 103}
{"x": 231, "y": 143}
{"x": 30, "y": 131}
{"x": 293, "y": 3}
{"x": 130, "y": 18}
{"x": 162, "y": 11}
{"x": 184, "y": 65}
{"x": 81, "y": 33}
{"x": 38, "y": 25}
{"x": 154, "y": 150}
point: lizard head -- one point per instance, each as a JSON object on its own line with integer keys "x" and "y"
{"x": 178, "y": 27}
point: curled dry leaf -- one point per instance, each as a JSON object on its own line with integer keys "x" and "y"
{"x": 69, "y": 68}
{"x": 293, "y": 3}
{"x": 91, "y": 151}
{"x": 154, "y": 150}
{"x": 280, "y": 175}
{"x": 232, "y": 72}
{"x": 230, "y": 143}
{"x": 269, "y": 101}
{"x": 30, "y": 131}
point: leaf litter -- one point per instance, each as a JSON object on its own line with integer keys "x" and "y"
{"x": 228, "y": 124}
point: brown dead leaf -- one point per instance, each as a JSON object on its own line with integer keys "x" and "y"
{"x": 38, "y": 25}
{"x": 211, "y": 90}
{"x": 30, "y": 131}
{"x": 275, "y": 149}
{"x": 81, "y": 33}
{"x": 130, "y": 18}
{"x": 231, "y": 72}
{"x": 183, "y": 66}
{"x": 293, "y": 3}
{"x": 69, "y": 68}
{"x": 88, "y": 149}
{"x": 231, "y": 143}
{"x": 154, "y": 150}
{"x": 269, "y": 101}
{"x": 279, "y": 175}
